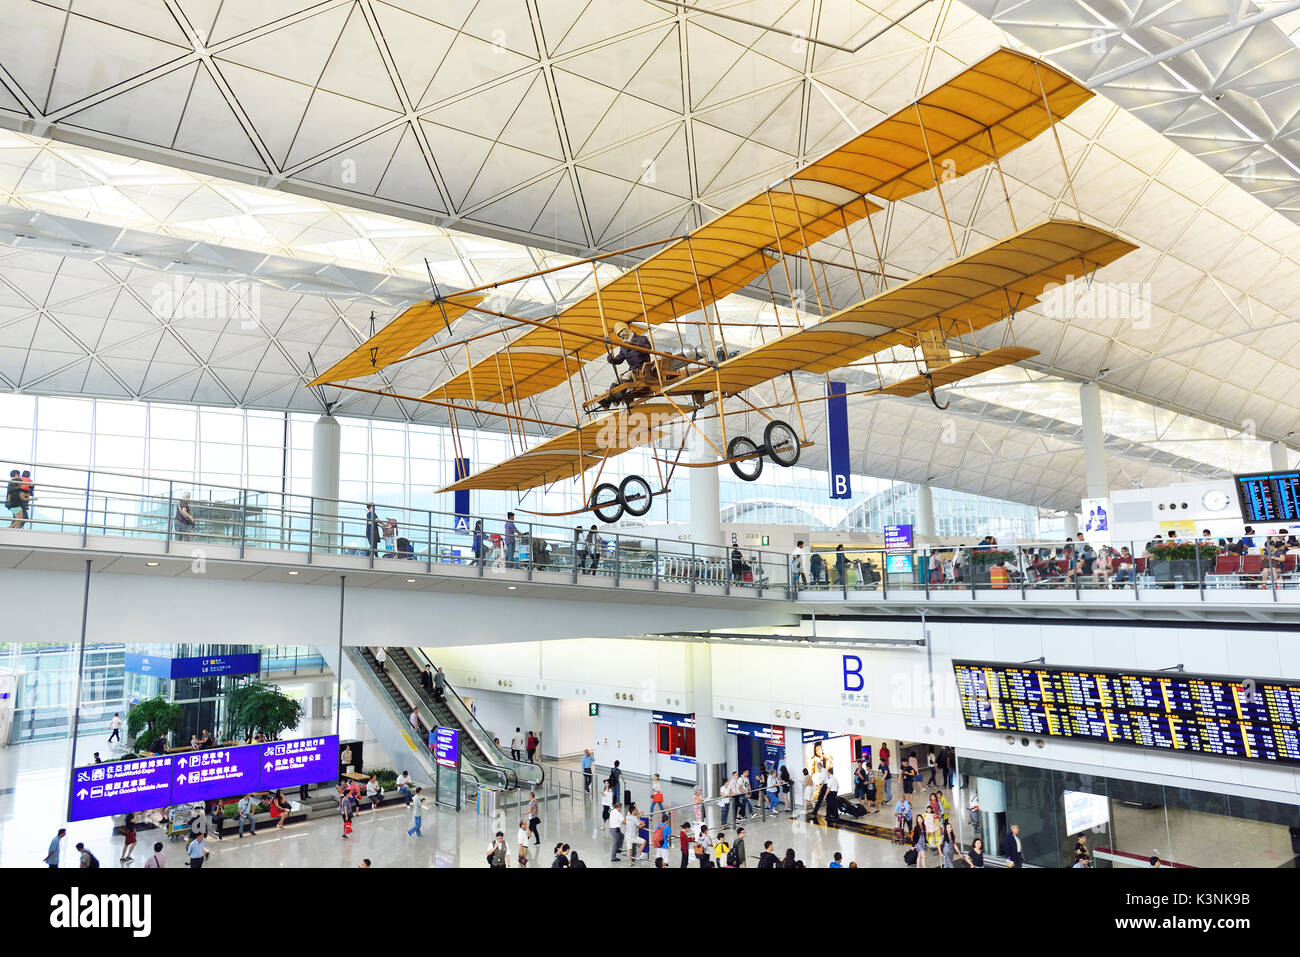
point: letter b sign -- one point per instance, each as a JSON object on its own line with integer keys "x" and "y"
{"x": 853, "y": 673}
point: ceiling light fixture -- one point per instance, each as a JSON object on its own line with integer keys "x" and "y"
{"x": 511, "y": 587}
{"x": 410, "y": 581}
{"x": 293, "y": 573}
{"x": 152, "y": 564}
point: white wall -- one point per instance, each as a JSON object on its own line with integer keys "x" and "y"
{"x": 624, "y": 735}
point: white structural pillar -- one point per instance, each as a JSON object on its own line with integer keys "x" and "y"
{"x": 706, "y": 498}
{"x": 710, "y": 732}
{"x": 924, "y": 511}
{"x": 325, "y": 445}
{"x": 320, "y": 699}
{"x": 1072, "y": 525}
{"x": 533, "y": 718}
{"x": 1277, "y": 456}
{"x": 1094, "y": 447}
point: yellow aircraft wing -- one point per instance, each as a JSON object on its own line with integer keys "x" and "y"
{"x": 398, "y": 338}
{"x": 963, "y": 368}
{"x": 571, "y": 453}
{"x": 965, "y": 295}
{"x": 985, "y": 112}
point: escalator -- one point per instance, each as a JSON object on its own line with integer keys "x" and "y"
{"x": 452, "y": 712}
{"x": 397, "y": 689}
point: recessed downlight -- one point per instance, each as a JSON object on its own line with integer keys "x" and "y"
{"x": 511, "y": 587}
{"x": 293, "y": 573}
{"x": 410, "y": 581}
{"x": 152, "y": 564}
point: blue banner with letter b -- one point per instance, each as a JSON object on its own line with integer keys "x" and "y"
{"x": 837, "y": 439}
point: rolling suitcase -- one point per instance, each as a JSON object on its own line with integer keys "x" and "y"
{"x": 910, "y": 858}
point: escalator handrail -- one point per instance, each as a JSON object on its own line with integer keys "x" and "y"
{"x": 481, "y": 770}
{"x": 485, "y": 742}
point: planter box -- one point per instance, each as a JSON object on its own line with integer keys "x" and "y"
{"x": 1176, "y": 570}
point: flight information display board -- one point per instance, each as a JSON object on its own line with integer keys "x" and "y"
{"x": 1269, "y": 496}
{"x": 1240, "y": 718}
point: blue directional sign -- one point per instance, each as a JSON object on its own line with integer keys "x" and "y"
{"x": 100, "y": 790}
{"x": 156, "y": 665}
{"x": 290, "y": 764}
{"x": 446, "y": 747}
{"x": 216, "y": 665}
{"x": 215, "y": 773}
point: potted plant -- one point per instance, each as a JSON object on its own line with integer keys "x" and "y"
{"x": 1178, "y": 561}
{"x": 257, "y": 706}
{"x": 153, "y": 717}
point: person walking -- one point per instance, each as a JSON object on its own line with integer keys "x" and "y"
{"x": 345, "y": 810}
{"x": 773, "y": 785}
{"x": 656, "y": 795}
{"x": 976, "y": 856}
{"x": 533, "y": 819}
{"x": 886, "y": 781}
{"x": 87, "y": 859}
{"x": 768, "y": 859}
{"x": 738, "y": 849}
{"x": 919, "y": 839}
{"x": 198, "y": 824}
{"x": 480, "y": 554}
{"x": 51, "y": 858}
{"x": 372, "y": 529}
{"x": 587, "y": 762}
{"x": 116, "y": 725}
{"x": 523, "y": 842}
{"x": 531, "y": 746}
{"x": 198, "y": 851}
{"x": 832, "y": 795}
{"x": 662, "y": 839}
{"x": 183, "y": 519}
{"x": 128, "y": 837}
{"x": 615, "y": 778}
{"x": 616, "y": 821}
{"x": 948, "y": 848}
{"x": 1012, "y": 847}
{"x": 417, "y": 813}
{"x": 606, "y": 802}
{"x": 157, "y": 858}
{"x": 516, "y": 743}
{"x": 933, "y": 764}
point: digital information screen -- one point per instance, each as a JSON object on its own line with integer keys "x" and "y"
{"x": 1084, "y": 811}
{"x": 1269, "y": 496}
{"x": 898, "y": 537}
{"x": 1239, "y": 718}
{"x": 100, "y": 790}
{"x": 446, "y": 747}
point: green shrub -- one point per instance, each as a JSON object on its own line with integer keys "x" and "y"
{"x": 1178, "y": 551}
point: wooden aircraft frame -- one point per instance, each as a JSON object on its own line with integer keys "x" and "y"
{"x": 971, "y": 121}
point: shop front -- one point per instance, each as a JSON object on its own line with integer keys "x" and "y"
{"x": 674, "y": 736}
{"x": 757, "y": 747}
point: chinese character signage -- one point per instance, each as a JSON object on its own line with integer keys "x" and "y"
{"x": 214, "y": 773}
{"x": 155, "y": 665}
{"x": 103, "y": 789}
{"x": 446, "y": 747}
{"x": 216, "y": 665}
{"x": 290, "y": 764}
{"x": 898, "y": 538}
{"x": 100, "y": 790}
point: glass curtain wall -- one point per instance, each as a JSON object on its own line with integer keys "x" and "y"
{"x": 1126, "y": 822}
{"x": 402, "y": 464}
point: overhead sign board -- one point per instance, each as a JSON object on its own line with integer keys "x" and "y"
{"x": 104, "y": 789}
{"x": 100, "y": 790}
{"x": 898, "y": 538}
{"x": 216, "y": 665}
{"x": 154, "y": 665}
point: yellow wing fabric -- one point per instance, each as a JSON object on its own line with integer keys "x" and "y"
{"x": 986, "y": 111}
{"x": 965, "y": 295}
{"x": 398, "y": 338}
{"x": 961, "y": 369}
{"x": 571, "y": 453}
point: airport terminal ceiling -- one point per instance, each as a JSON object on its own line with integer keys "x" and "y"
{"x": 310, "y": 157}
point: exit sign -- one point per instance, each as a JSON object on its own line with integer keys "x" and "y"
{"x": 766, "y": 541}
{"x": 593, "y": 709}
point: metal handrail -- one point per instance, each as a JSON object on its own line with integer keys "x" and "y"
{"x": 475, "y": 729}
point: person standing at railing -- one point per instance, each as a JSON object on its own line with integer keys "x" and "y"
{"x": 579, "y": 550}
{"x": 587, "y": 762}
{"x": 531, "y": 748}
{"x": 798, "y": 576}
{"x": 595, "y": 545}
{"x": 14, "y": 500}
{"x": 616, "y": 830}
{"x": 512, "y": 532}
{"x": 372, "y": 528}
{"x": 183, "y": 519}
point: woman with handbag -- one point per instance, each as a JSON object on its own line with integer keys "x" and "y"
{"x": 345, "y": 810}
{"x": 280, "y": 804}
{"x": 524, "y": 834}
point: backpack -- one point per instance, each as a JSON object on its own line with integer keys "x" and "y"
{"x": 94, "y": 861}
{"x": 733, "y": 858}
{"x": 659, "y": 837}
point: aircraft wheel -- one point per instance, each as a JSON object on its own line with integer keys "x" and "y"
{"x": 749, "y": 469}
{"x": 635, "y": 494}
{"x": 606, "y": 503}
{"x": 782, "y": 443}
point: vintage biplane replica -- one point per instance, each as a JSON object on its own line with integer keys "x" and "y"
{"x": 672, "y": 378}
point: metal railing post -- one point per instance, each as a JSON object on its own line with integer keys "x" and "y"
{"x": 311, "y": 528}
{"x": 656, "y": 573}
{"x": 926, "y": 575}
{"x": 532, "y": 552}
{"x": 428, "y": 543}
{"x": 1200, "y": 579}
{"x": 618, "y": 559}
{"x": 85, "y": 515}
{"x": 1024, "y": 570}
{"x": 1137, "y": 595}
{"x": 884, "y": 590}
{"x": 167, "y": 519}
{"x": 693, "y": 569}
{"x": 243, "y": 520}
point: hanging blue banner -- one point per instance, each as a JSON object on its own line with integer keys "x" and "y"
{"x": 837, "y": 439}
{"x": 461, "y": 506}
